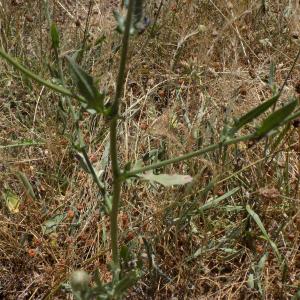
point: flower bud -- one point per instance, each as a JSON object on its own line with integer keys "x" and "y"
{"x": 79, "y": 281}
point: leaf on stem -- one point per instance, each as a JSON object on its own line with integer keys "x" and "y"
{"x": 82, "y": 161}
{"x": 86, "y": 86}
{"x": 276, "y": 119}
{"x": 254, "y": 113}
{"x": 215, "y": 201}
{"x": 166, "y": 179}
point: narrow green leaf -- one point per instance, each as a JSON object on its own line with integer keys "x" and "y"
{"x": 21, "y": 144}
{"x": 214, "y": 202}
{"x": 259, "y": 223}
{"x": 166, "y": 179}
{"x": 291, "y": 117}
{"x": 254, "y": 113}
{"x": 272, "y": 74}
{"x": 82, "y": 161}
{"x": 86, "y": 87}
{"x": 259, "y": 274}
{"x": 231, "y": 208}
{"x": 197, "y": 253}
{"x": 97, "y": 278}
{"x": 229, "y": 250}
{"x": 27, "y": 184}
{"x": 54, "y": 36}
{"x": 108, "y": 204}
{"x": 138, "y": 164}
{"x": 276, "y": 118}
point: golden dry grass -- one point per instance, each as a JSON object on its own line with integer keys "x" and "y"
{"x": 180, "y": 86}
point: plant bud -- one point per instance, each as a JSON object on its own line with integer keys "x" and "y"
{"x": 79, "y": 281}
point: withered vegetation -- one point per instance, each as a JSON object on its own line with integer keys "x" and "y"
{"x": 199, "y": 64}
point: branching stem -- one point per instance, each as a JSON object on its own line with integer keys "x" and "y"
{"x": 187, "y": 156}
{"x": 117, "y": 180}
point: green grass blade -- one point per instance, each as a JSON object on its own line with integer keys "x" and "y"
{"x": 254, "y": 113}
{"x": 54, "y": 36}
{"x": 259, "y": 223}
{"x": 216, "y": 201}
{"x": 28, "y": 187}
{"x": 276, "y": 118}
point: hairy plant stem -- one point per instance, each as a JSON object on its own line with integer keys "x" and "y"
{"x": 117, "y": 180}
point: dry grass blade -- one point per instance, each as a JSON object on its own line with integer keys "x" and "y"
{"x": 186, "y": 86}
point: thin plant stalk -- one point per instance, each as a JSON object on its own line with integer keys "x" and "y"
{"x": 86, "y": 33}
{"x": 38, "y": 79}
{"x": 187, "y": 156}
{"x": 117, "y": 179}
{"x": 202, "y": 151}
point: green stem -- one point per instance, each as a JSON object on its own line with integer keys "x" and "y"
{"x": 117, "y": 180}
{"x": 200, "y": 151}
{"x": 37, "y": 78}
{"x": 187, "y": 156}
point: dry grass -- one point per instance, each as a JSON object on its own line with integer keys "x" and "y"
{"x": 177, "y": 99}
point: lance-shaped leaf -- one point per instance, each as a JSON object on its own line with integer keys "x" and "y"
{"x": 27, "y": 185}
{"x": 54, "y": 36}
{"x": 166, "y": 179}
{"x": 215, "y": 201}
{"x": 275, "y": 119}
{"x": 254, "y": 113}
{"x": 272, "y": 74}
{"x": 261, "y": 226}
{"x": 86, "y": 87}
{"x": 82, "y": 161}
